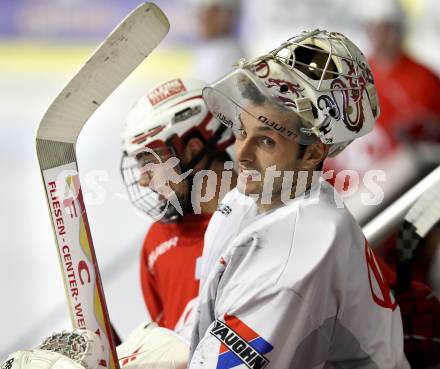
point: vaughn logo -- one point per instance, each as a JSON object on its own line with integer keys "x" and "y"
{"x": 224, "y": 209}
{"x": 240, "y": 344}
{"x": 7, "y": 364}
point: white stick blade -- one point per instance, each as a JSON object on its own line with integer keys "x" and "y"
{"x": 123, "y": 50}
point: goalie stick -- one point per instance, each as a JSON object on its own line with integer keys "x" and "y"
{"x": 120, "y": 53}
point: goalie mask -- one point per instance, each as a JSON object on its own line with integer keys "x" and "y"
{"x": 316, "y": 86}
{"x": 155, "y": 135}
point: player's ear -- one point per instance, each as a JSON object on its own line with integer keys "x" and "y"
{"x": 314, "y": 154}
{"x": 192, "y": 148}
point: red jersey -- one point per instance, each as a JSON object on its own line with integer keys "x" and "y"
{"x": 169, "y": 265}
{"x": 408, "y": 97}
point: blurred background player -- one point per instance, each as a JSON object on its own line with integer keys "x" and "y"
{"x": 410, "y": 112}
{"x": 408, "y": 91}
{"x": 405, "y": 141}
{"x": 218, "y": 47}
{"x": 172, "y": 121}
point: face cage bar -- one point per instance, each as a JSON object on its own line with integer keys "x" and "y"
{"x": 160, "y": 153}
{"x": 143, "y": 198}
{"x": 290, "y": 64}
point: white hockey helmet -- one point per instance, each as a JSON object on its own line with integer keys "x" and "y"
{"x": 162, "y": 122}
{"x": 319, "y": 81}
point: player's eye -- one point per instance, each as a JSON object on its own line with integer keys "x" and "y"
{"x": 144, "y": 159}
{"x": 267, "y": 141}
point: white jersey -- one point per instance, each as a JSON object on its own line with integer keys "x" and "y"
{"x": 296, "y": 287}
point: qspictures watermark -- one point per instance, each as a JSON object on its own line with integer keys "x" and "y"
{"x": 272, "y": 183}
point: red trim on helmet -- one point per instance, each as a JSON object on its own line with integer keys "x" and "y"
{"x": 188, "y": 99}
{"x": 156, "y": 144}
{"x": 177, "y": 141}
{"x": 152, "y": 132}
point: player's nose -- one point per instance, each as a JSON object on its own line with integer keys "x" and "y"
{"x": 244, "y": 150}
{"x": 145, "y": 180}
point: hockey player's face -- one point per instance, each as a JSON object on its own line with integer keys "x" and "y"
{"x": 160, "y": 177}
{"x": 267, "y": 160}
{"x": 261, "y": 152}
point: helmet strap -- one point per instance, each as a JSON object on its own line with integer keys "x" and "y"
{"x": 209, "y": 150}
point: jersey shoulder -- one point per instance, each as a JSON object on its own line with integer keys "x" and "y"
{"x": 232, "y": 208}
{"x": 157, "y": 234}
{"x": 224, "y": 225}
{"x": 306, "y": 235}
{"x": 325, "y": 236}
{"x": 236, "y": 199}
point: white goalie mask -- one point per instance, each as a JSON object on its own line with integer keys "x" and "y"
{"x": 319, "y": 82}
{"x": 156, "y": 132}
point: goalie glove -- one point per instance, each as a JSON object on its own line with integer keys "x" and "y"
{"x": 151, "y": 346}
{"x": 80, "y": 345}
{"x": 148, "y": 346}
{"x": 39, "y": 359}
{"x": 78, "y": 349}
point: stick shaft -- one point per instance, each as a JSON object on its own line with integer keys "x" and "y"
{"x": 123, "y": 50}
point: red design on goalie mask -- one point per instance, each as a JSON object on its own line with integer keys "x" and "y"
{"x": 356, "y": 89}
{"x": 262, "y": 69}
{"x": 285, "y": 91}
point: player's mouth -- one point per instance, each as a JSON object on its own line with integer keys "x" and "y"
{"x": 248, "y": 174}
